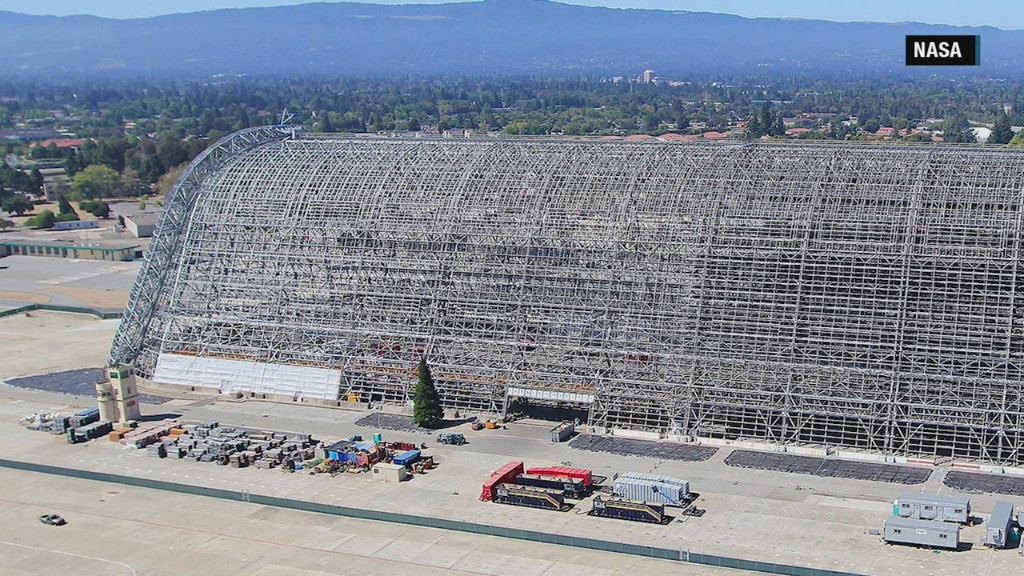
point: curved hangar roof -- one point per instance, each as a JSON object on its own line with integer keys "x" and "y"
{"x": 660, "y": 282}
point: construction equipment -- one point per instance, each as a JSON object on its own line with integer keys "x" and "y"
{"x": 504, "y": 475}
{"x": 529, "y": 496}
{"x": 634, "y": 510}
{"x": 568, "y": 487}
{"x": 582, "y": 473}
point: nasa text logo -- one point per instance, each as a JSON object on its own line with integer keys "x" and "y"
{"x": 943, "y": 50}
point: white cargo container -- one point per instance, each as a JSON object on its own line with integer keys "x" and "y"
{"x": 683, "y": 484}
{"x": 648, "y": 491}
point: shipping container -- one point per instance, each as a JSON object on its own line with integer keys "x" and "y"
{"x": 582, "y": 473}
{"x": 570, "y": 487}
{"x": 928, "y": 533}
{"x": 683, "y": 484}
{"x": 529, "y": 496}
{"x": 934, "y": 507}
{"x": 629, "y": 510}
{"x": 997, "y": 531}
{"x": 407, "y": 458}
{"x": 562, "y": 432}
{"x": 648, "y": 491}
{"x": 505, "y": 474}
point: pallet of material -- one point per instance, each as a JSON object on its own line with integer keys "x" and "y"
{"x": 148, "y": 434}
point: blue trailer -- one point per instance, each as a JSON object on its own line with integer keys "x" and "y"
{"x": 407, "y": 458}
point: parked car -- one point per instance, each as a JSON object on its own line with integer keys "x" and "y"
{"x": 52, "y": 520}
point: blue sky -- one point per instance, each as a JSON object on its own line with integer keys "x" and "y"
{"x": 999, "y": 13}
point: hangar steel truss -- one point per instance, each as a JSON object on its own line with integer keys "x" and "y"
{"x": 845, "y": 295}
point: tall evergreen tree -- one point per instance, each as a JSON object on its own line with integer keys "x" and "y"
{"x": 766, "y": 118}
{"x": 427, "y": 411}
{"x": 64, "y": 207}
{"x": 325, "y": 121}
{"x": 779, "y": 127}
{"x": 1002, "y": 133}
{"x": 754, "y": 126}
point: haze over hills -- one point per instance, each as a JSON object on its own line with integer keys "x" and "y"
{"x": 489, "y": 37}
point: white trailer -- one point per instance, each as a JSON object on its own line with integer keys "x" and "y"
{"x": 927, "y": 533}
{"x": 933, "y": 507}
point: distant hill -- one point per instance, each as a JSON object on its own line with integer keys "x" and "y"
{"x": 489, "y": 37}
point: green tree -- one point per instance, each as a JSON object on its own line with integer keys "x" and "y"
{"x": 171, "y": 151}
{"x": 130, "y": 184}
{"x": 5, "y": 224}
{"x": 166, "y": 182}
{"x": 36, "y": 179}
{"x": 427, "y": 411}
{"x": 142, "y": 202}
{"x": 97, "y": 208}
{"x": 754, "y": 126}
{"x": 779, "y": 127}
{"x": 1017, "y": 141}
{"x": 64, "y": 207}
{"x": 72, "y": 165}
{"x": 17, "y": 204}
{"x": 44, "y": 219}
{"x": 324, "y": 122}
{"x": 1002, "y": 133}
{"x": 94, "y": 181}
{"x": 957, "y": 128}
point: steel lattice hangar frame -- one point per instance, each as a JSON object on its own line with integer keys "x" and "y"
{"x": 864, "y": 296}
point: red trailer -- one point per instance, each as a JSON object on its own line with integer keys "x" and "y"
{"x": 582, "y": 473}
{"x": 504, "y": 475}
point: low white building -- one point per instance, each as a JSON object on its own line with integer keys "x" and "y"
{"x": 390, "y": 472}
{"x": 141, "y": 225}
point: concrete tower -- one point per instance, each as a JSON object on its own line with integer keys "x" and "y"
{"x": 122, "y": 379}
{"x": 107, "y": 401}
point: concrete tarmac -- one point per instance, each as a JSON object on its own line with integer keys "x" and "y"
{"x": 758, "y": 515}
